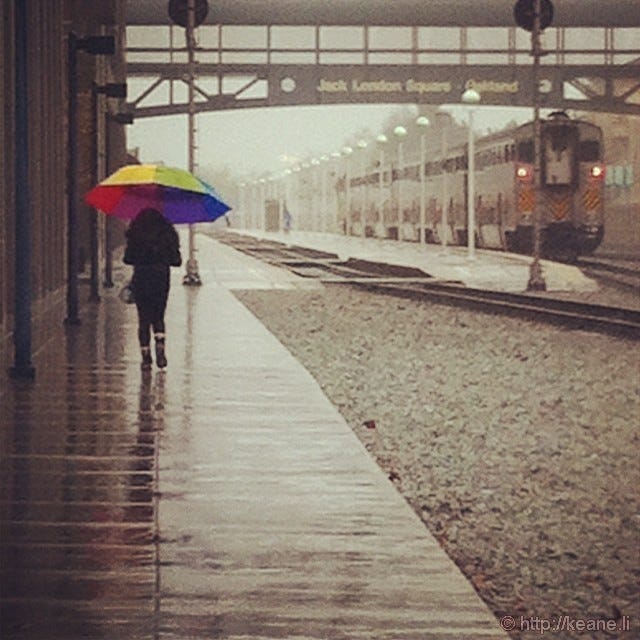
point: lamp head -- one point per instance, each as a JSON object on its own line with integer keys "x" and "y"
{"x": 400, "y": 132}
{"x": 471, "y": 96}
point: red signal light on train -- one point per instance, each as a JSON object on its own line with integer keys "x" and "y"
{"x": 597, "y": 171}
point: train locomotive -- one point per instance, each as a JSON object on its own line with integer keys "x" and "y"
{"x": 571, "y": 191}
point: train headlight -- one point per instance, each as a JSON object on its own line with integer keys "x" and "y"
{"x": 523, "y": 173}
{"x": 597, "y": 171}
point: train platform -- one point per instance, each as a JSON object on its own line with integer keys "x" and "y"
{"x": 494, "y": 270}
{"x": 222, "y": 498}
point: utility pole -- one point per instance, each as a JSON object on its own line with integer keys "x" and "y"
{"x": 190, "y": 14}
{"x": 192, "y": 277}
{"x": 535, "y": 16}
{"x": 536, "y": 277}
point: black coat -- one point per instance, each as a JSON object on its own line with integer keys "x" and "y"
{"x": 151, "y": 256}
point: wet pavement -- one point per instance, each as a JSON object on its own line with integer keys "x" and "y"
{"x": 223, "y": 498}
{"x": 496, "y": 270}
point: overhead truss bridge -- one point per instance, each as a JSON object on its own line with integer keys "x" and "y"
{"x": 590, "y": 68}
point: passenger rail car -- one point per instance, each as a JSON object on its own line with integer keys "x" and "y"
{"x": 572, "y": 192}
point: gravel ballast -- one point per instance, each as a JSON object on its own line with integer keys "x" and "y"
{"x": 516, "y": 443}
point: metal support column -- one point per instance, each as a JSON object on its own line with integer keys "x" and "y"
{"x": 536, "y": 278}
{"x": 22, "y": 367}
{"x": 192, "y": 277}
{"x": 93, "y": 45}
{"x": 94, "y": 239}
{"x": 109, "y": 232}
{"x": 72, "y": 183}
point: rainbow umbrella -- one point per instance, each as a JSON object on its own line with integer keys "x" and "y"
{"x": 177, "y": 194}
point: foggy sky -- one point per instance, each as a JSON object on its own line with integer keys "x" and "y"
{"x": 252, "y": 141}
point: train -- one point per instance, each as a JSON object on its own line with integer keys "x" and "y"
{"x": 572, "y": 183}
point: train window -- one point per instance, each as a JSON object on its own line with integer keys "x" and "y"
{"x": 558, "y": 156}
{"x": 526, "y": 151}
{"x": 588, "y": 151}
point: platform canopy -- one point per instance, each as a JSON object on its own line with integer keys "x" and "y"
{"x": 439, "y": 13}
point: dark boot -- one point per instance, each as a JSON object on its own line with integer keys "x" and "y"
{"x": 161, "y": 358}
{"x": 147, "y": 361}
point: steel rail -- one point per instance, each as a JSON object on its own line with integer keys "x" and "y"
{"x": 617, "y": 321}
{"x": 619, "y": 276}
{"x": 410, "y": 282}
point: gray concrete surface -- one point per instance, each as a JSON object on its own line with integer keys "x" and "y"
{"x": 223, "y": 498}
{"x": 496, "y": 270}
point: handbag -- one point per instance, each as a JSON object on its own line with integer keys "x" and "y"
{"x": 126, "y": 294}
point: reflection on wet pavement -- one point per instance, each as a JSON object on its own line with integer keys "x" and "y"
{"x": 79, "y": 477}
{"x": 223, "y": 498}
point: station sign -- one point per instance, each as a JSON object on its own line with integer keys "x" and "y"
{"x": 412, "y": 83}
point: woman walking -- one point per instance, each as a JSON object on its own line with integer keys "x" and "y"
{"x": 152, "y": 247}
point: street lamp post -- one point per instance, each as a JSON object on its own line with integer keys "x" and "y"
{"x": 242, "y": 202}
{"x": 257, "y": 194}
{"x": 279, "y": 187}
{"x": 346, "y": 152}
{"x": 362, "y": 145}
{"x": 423, "y": 123}
{"x": 315, "y": 193}
{"x": 323, "y": 175}
{"x": 400, "y": 133}
{"x": 471, "y": 98}
{"x": 286, "y": 195}
{"x": 271, "y": 198}
{"x": 381, "y": 141}
{"x": 336, "y": 156}
{"x": 263, "y": 196}
{"x": 445, "y": 179}
{"x": 295, "y": 194}
{"x": 251, "y": 204}
{"x": 305, "y": 177}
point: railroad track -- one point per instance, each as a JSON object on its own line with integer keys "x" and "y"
{"x": 413, "y": 283}
{"x": 621, "y": 274}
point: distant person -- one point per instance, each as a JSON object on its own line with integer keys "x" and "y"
{"x": 287, "y": 220}
{"x": 152, "y": 247}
